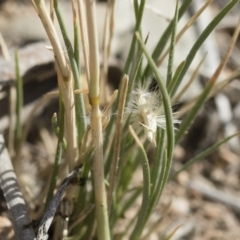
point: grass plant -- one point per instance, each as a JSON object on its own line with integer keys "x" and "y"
{"x": 103, "y": 157}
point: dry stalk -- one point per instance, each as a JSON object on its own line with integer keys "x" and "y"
{"x": 65, "y": 83}
{"x": 107, "y": 39}
{"x": 216, "y": 74}
{"x": 53, "y": 37}
{"x": 188, "y": 84}
{"x": 117, "y": 141}
{"x": 103, "y": 231}
{"x": 12, "y": 110}
{"x": 184, "y": 29}
{"x": 70, "y": 119}
{"x": 81, "y": 216}
{"x": 84, "y": 36}
{"x": 52, "y": 10}
{"x": 5, "y": 51}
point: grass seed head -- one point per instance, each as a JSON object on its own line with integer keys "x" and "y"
{"x": 146, "y": 111}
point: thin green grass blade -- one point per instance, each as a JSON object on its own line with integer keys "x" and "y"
{"x": 212, "y": 25}
{"x": 125, "y": 174}
{"x": 146, "y": 193}
{"x": 171, "y": 234}
{"x": 126, "y": 205}
{"x": 80, "y": 201}
{"x": 172, "y": 47}
{"x": 133, "y": 220}
{"x": 128, "y": 62}
{"x": 132, "y": 80}
{"x": 19, "y": 104}
{"x": 156, "y": 167}
{"x": 136, "y": 8}
{"x": 122, "y": 149}
{"x": 82, "y": 197}
{"x": 79, "y": 104}
{"x": 160, "y": 185}
{"x": 186, "y": 123}
{"x": 56, "y": 129}
{"x": 136, "y": 74}
{"x": 175, "y": 78}
{"x": 76, "y": 43}
{"x": 58, "y": 155}
{"x": 166, "y": 102}
{"x": 202, "y": 155}
{"x": 134, "y": 40}
{"x": 165, "y": 36}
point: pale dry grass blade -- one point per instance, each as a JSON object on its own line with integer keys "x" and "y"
{"x": 84, "y": 36}
{"x": 5, "y": 51}
{"x": 117, "y": 141}
{"x": 53, "y": 37}
{"x": 184, "y": 29}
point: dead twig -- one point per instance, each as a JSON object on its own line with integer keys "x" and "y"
{"x": 51, "y": 210}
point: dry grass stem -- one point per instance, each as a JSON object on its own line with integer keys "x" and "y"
{"x": 84, "y": 36}
{"x": 5, "y": 51}
{"x": 94, "y": 66}
{"x": 158, "y": 13}
{"x": 107, "y": 110}
{"x": 216, "y": 74}
{"x": 188, "y": 84}
{"x": 103, "y": 231}
{"x": 107, "y": 39}
{"x": 70, "y": 119}
{"x": 133, "y": 133}
{"x": 117, "y": 141}
{"x": 81, "y": 216}
{"x": 52, "y": 10}
{"x": 218, "y": 87}
{"x": 12, "y": 111}
{"x": 184, "y": 29}
{"x": 84, "y": 91}
{"x": 222, "y": 64}
{"x": 53, "y": 37}
{"x": 98, "y": 174}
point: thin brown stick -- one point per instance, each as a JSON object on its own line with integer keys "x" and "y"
{"x": 117, "y": 141}
{"x": 81, "y": 216}
{"x": 52, "y": 35}
{"x": 218, "y": 87}
{"x": 84, "y": 36}
{"x": 13, "y": 196}
{"x": 194, "y": 76}
{"x": 184, "y": 29}
{"x": 107, "y": 39}
{"x": 12, "y": 110}
{"x": 5, "y": 51}
{"x": 70, "y": 119}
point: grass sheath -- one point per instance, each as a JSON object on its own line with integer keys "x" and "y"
{"x": 103, "y": 230}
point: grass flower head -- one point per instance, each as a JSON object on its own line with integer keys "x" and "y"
{"x": 146, "y": 111}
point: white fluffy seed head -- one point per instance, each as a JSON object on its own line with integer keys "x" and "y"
{"x": 146, "y": 111}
